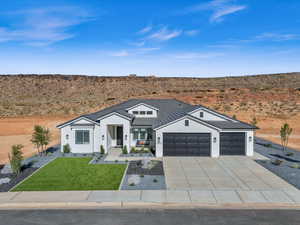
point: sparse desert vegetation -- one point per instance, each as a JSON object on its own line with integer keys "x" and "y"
{"x": 28, "y": 100}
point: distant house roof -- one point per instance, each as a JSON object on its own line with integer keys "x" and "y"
{"x": 168, "y": 110}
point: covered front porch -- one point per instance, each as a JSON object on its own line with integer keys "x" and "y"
{"x": 115, "y": 136}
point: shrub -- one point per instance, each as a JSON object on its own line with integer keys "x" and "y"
{"x": 155, "y": 180}
{"x": 124, "y": 150}
{"x": 102, "y": 151}
{"x": 141, "y": 175}
{"x": 132, "y": 184}
{"x": 132, "y": 150}
{"x": 289, "y": 154}
{"x": 277, "y": 162}
{"x": 295, "y": 166}
{"x": 116, "y": 161}
{"x": 15, "y": 158}
{"x": 66, "y": 148}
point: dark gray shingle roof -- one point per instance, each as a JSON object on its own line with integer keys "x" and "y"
{"x": 169, "y": 110}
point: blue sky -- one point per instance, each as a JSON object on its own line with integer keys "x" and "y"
{"x": 166, "y": 38}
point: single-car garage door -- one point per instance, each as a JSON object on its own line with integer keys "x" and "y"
{"x": 232, "y": 143}
{"x": 186, "y": 144}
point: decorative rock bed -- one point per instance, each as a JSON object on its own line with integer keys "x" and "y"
{"x": 29, "y": 165}
{"x": 284, "y": 164}
{"x": 144, "y": 175}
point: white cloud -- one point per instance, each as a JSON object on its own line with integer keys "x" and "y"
{"x": 223, "y": 11}
{"x": 219, "y": 9}
{"x": 44, "y": 26}
{"x": 145, "y": 30}
{"x": 191, "y": 32}
{"x": 121, "y": 53}
{"x": 164, "y": 34}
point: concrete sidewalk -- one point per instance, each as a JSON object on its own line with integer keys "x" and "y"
{"x": 118, "y": 198}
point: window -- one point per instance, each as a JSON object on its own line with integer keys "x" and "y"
{"x": 149, "y": 112}
{"x": 142, "y": 112}
{"x": 135, "y": 134}
{"x": 186, "y": 123}
{"x": 82, "y": 137}
{"x": 142, "y": 134}
{"x": 201, "y": 115}
{"x": 135, "y": 112}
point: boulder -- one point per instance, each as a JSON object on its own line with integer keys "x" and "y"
{"x": 4, "y": 180}
{"x": 6, "y": 169}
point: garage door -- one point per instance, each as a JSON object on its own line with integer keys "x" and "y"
{"x": 232, "y": 143}
{"x": 186, "y": 144}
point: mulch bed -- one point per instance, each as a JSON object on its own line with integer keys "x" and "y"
{"x": 15, "y": 179}
{"x": 135, "y": 168}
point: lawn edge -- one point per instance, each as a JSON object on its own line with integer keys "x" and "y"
{"x": 124, "y": 175}
{"x": 11, "y": 190}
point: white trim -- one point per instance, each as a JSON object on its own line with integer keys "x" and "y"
{"x": 190, "y": 117}
{"x": 114, "y": 113}
{"x": 144, "y": 104}
{"x": 75, "y": 120}
{"x": 214, "y": 113}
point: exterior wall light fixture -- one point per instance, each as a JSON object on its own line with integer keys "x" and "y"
{"x": 215, "y": 139}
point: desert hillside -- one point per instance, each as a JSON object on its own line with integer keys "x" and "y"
{"x": 23, "y": 95}
{"x": 48, "y": 100}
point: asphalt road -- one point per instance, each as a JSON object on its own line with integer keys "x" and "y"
{"x": 150, "y": 216}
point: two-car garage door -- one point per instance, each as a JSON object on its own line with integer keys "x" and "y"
{"x": 199, "y": 144}
{"x": 186, "y": 144}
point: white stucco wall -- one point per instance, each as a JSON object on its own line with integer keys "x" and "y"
{"x": 114, "y": 120}
{"x": 143, "y": 108}
{"x": 194, "y": 127}
{"x": 206, "y": 115}
{"x": 94, "y": 144}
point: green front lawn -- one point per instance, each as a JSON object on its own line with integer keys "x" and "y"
{"x": 64, "y": 174}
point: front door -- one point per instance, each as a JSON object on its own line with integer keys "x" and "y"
{"x": 119, "y": 136}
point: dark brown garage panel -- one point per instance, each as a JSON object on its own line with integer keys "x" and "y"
{"x": 232, "y": 143}
{"x": 186, "y": 144}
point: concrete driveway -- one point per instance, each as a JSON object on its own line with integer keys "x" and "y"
{"x": 224, "y": 173}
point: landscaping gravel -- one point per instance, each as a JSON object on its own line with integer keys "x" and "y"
{"x": 148, "y": 182}
{"x": 100, "y": 159}
{"x": 14, "y": 180}
{"x": 274, "y": 152}
{"x": 136, "y": 167}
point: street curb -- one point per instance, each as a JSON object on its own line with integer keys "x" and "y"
{"x": 145, "y": 205}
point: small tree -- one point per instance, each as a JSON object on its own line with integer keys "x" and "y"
{"x": 102, "y": 151}
{"x": 285, "y": 132}
{"x": 40, "y": 138}
{"x": 15, "y": 158}
{"x": 66, "y": 148}
{"x": 124, "y": 150}
{"x": 254, "y": 121}
{"x": 234, "y": 117}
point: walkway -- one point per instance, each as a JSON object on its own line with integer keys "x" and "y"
{"x": 15, "y": 199}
